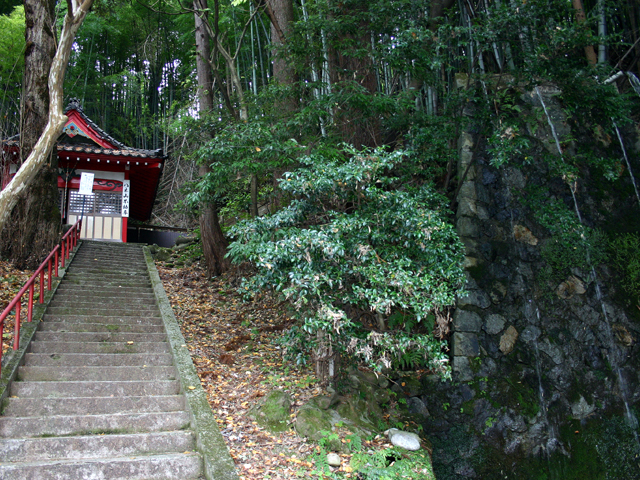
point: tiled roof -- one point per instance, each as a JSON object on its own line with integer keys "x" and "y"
{"x": 126, "y": 152}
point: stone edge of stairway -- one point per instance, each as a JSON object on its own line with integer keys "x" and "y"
{"x": 28, "y": 330}
{"x": 218, "y": 464}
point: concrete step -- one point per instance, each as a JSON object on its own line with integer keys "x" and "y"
{"x": 60, "y": 425}
{"x": 99, "y": 347}
{"x": 51, "y": 389}
{"x": 38, "y": 407}
{"x": 106, "y": 319}
{"x": 115, "y": 312}
{"x": 84, "y": 275}
{"x": 106, "y": 291}
{"x": 99, "y": 278}
{"x": 109, "y": 252}
{"x": 178, "y": 466}
{"x": 95, "y": 446}
{"x": 115, "y": 270}
{"x": 71, "y": 295}
{"x": 96, "y": 302}
{"x": 98, "y": 374}
{"x": 108, "y": 266}
{"x": 64, "y": 360}
{"x": 100, "y": 261}
{"x": 99, "y": 327}
{"x": 109, "y": 255}
{"x": 99, "y": 284}
{"x": 99, "y": 337}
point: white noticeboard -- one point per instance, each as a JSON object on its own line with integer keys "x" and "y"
{"x": 86, "y": 183}
{"x": 126, "y": 190}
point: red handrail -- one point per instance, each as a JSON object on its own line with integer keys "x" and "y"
{"x": 69, "y": 241}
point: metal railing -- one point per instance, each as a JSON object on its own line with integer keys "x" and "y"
{"x": 55, "y": 259}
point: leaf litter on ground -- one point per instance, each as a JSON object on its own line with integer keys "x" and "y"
{"x": 234, "y": 346}
{"x": 11, "y": 281}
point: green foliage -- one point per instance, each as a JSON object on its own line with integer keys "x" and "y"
{"x": 328, "y": 440}
{"x": 352, "y": 239}
{"x": 581, "y": 249}
{"x": 393, "y": 463}
{"x": 572, "y": 245}
{"x": 252, "y": 147}
{"x": 12, "y": 45}
{"x": 507, "y": 144}
{"x": 11, "y": 67}
{"x": 625, "y": 256}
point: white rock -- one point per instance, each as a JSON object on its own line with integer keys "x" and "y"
{"x": 406, "y": 440}
{"x": 333, "y": 459}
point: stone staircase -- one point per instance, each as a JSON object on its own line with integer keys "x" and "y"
{"x": 98, "y": 396}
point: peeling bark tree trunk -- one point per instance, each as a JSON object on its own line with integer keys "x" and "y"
{"x": 40, "y": 153}
{"x": 34, "y": 225}
{"x": 214, "y": 245}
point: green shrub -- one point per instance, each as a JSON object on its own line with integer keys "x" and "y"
{"x": 357, "y": 239}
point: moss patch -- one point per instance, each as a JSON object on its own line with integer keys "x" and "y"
{"x": 273, "y": 412}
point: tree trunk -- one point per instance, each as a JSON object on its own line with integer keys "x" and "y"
{"x": 281, "y": 28}
{"x": 254, "y": 195}
{"x": 34, "y": 225}
{"x": 325, "y": 358}
{"x": 589, "y": 51}
{"x": 214, "y": 245}
{"x": 436, "y": 12}
{"x": 602, "y": 31}
{"x": 282, "y": 16}
{"x": 29, "y": 170}
{"x": 358, "y": 128}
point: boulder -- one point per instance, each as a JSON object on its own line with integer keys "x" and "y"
{"x": 273, "y": 412}
{"x": 185, "y": 240}
{"x": 162, "y": 255}
{"x": 406, "y": 440}
{"x": 361, "y": 413}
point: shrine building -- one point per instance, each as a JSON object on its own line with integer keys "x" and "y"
{"x": 125, "y": 179}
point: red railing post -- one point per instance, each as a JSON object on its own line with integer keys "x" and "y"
{"x": 30, "y": 304}
{"x": 1, "y": 342}
{"x": 62, "y": 255}
{"x": 41, "y": 286}
{"x": 49, "y": 272}
{"x": 16, "y": 330}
